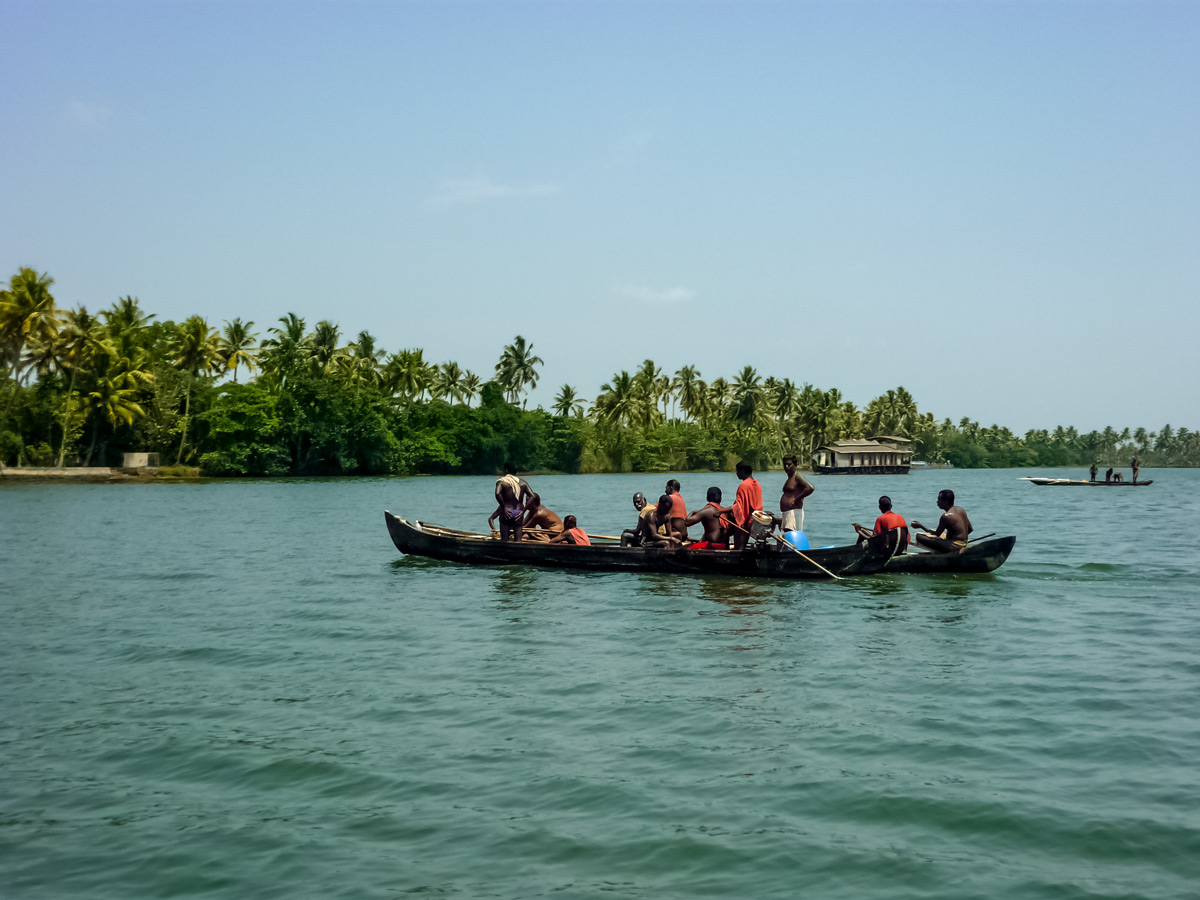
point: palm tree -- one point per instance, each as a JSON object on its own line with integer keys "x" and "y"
{"x": 620, "y": 404}
{"x": 236, "y": 347}
{"x": 282, "y": 355}
{"x": 447, "y": 380}
{"x": 27, "y": 313}
{"x": 407, "y": 374}
{"x": 196, "y": 352}
{"x": 80, "y": 340}
{"x": 689, "y": 389}
{"x": 470, "y": 386}
{"x": 517, "y": 368}
{"x": 324, "y": 348}
{"x": 567, "y": 402}
{"x": 113, "y": 396}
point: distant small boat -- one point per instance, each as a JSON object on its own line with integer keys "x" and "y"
{"x": 1067, "y": 482}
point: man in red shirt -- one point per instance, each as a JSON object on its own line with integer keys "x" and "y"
{"x": 748, "y": 500}
{"x": 679, "y": 511}
{"x": 886, "y": 522}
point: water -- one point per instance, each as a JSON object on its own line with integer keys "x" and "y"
{"x": 239, "y": 689}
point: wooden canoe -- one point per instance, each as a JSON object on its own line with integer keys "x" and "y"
{"x": 1067, "y": 482}
{"x": 416, "y": 538}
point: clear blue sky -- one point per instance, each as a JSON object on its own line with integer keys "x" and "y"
{"x": 996, "y": 205}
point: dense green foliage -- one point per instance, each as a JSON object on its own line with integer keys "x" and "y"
{"x": 83, "y": 389}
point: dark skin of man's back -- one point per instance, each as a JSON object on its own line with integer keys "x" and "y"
{"x": 710, "y": 518}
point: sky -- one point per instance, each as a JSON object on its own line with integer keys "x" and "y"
{"x": 995, "y": 205}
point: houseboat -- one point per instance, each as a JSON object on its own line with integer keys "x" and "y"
{"x": 880, "y": 455}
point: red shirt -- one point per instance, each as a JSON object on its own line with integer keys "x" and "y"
{"x": 749, "y": 498}
{"x": 678, "y": 507}
{"x": 580, "y": 537}
{"x": 888, "y": 521}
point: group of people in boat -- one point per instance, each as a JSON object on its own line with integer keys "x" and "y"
{"x": 1110, "y": 476}
{"x": 521, "y": 515}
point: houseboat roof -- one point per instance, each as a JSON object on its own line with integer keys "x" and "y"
{"x": 861, "y": 444}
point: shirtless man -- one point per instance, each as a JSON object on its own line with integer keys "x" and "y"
{"x": 511, "y": 492}
{"x": 952, "y": 529}
{"x": 652, "y": 528}
{"x": 711, "y": 517}
{"x": 1092, "y": 472}
{"x": 540, "y": 517}
{"x": 795, "y": 489}
{"x": 1136, "y": 465}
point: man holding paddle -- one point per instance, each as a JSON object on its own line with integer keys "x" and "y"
{"x": 953, "y": 527}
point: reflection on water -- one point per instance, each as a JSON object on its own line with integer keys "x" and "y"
{"x": 515, "y": 583}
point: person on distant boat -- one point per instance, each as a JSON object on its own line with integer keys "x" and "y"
{"x": 747, "y": 502}
{"x": 679, "y": 511}
{"x": 887, "y": 521}
{"x": 952, "y": 530}
{"x": 795, "y": 489}
{"x": 1136, "y": 466}
{"x": 511, "y": 492}
{"x": 571, "y": 534}
{"x": 1092, "y": 472}
{"x": 1118, "y": 477}
{"x": 540, "y": 521}
{"x": 712, "y": 517}
{"x": 653, "y": 528}
{"x": 1108, "y": 476}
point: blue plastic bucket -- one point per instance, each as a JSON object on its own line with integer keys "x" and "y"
{"x": 797, "y": 539}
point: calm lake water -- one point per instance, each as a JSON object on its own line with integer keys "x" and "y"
{"x": 241, "y": 690}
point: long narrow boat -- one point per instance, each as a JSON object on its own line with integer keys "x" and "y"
{"x": 417, "y": 538}
{"x": 1067, "y": 482}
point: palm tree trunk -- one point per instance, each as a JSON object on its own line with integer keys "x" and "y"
{"x": 187, "y": 406}
{"x": 92, "y": 446}
{"x": 62, "y": 449}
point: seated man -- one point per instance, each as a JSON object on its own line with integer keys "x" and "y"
{"x": 952, "y": 530}
{"x": 571, "y": 534}
{"x": 540, "y": 517}
{"x": 653, "y": 529}
{"x": 712, "y": 517}
{"x": 888, "y": 521}
{"x": 678, "y": 525}
{"x": 629, "y": 536}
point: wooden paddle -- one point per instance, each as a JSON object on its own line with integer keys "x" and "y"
{"x": 790, "y": 547}
{"x": 984, "y": 538}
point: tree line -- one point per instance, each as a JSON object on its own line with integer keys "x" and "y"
{"x": 81, "y": 389}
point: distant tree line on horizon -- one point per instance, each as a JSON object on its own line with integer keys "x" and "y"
{"x": 81, "y": 389}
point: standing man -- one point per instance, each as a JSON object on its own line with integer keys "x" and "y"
{"x": 679, "y": 511}
{"x": 1135, "y": 465}
{"x": 511, "y": 492}
{"x": 952, "y": 529}
{"x": 795, "y": 489}
{"x": 1092, "y": 471}
{"x": 747, "y": 501}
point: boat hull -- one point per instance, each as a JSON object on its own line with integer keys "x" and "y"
{"x": 418, "y": 539}
{"x": 1067, "y": 482}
